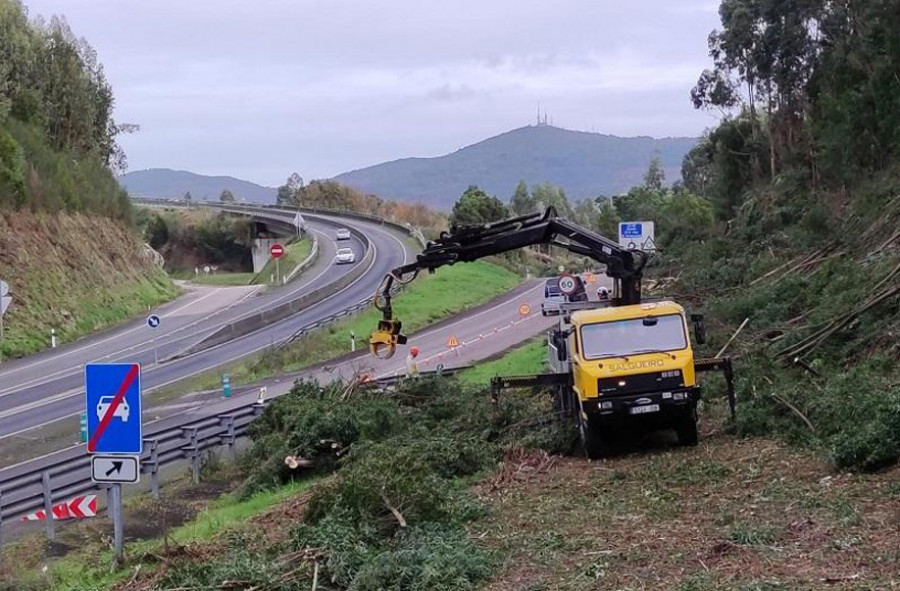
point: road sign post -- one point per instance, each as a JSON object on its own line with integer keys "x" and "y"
{"x": 154, "y": 322}
{"x": 114, "y": 502}
{"x": 277, "y": 251}
{"x": 112, "y": 394}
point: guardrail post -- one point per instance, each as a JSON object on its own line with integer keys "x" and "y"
{"x": 230, "y": 436}
{"x": 154, "y": 469}
{"x": 48, "y": 506}
{"x": 194, "y": 449}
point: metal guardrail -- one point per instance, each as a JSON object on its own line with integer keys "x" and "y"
{"x": 39, "y": 484}
{"x": 56, "y": 477}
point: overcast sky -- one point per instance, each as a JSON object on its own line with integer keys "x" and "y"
{"x": 260, "y": 88}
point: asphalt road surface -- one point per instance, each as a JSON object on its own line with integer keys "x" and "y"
{"x": 483, "y": 332}
{"x": 44, "y": 388}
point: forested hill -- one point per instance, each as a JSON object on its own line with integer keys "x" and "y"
{"x": 57, "y": 134}
{"x": 163, "y": 183}
{"x": 583, "y": 164}
{"x": 66, "y": 269}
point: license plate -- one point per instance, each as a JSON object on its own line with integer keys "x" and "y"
{"x": 640, "y": 410}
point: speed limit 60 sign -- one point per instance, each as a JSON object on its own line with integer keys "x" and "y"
{"x": 567, "y": 284}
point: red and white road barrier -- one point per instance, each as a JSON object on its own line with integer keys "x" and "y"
{"x": 77, "y": 508}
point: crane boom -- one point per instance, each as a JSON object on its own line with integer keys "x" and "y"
{"x": 470, "y": 243}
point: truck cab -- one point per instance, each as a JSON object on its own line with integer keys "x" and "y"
{"x": 632, "y": 364}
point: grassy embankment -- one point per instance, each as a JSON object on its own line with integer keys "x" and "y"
{"x": 295, "y": 253}
{"x": 436, "y": 489}
{"x": 430, "y": 298}
{"x": 73, "y": 273}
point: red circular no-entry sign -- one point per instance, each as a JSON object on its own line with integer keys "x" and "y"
{"x": 276, "y": 250}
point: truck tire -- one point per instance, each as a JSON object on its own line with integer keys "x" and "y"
{"x": 595, "y": 442}
{"x": 686, "y": 429}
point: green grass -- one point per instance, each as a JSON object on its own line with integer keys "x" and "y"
{"x": 525, "y": 359}
{"x": 431, "y": 298}
{"x": 225, "y": 279}
{"x": 294, "y": 254}
{"x": 90, "y": 569}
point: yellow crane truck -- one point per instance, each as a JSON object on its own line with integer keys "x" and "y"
{"x": 616, "y": 364}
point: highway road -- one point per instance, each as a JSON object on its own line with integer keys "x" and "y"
{"x": 483, "y": 332}
{"x": 44, "y": 388}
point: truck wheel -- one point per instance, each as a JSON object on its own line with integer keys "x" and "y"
{"x": 686, "y": 429}
{"x": 596, "y": 443}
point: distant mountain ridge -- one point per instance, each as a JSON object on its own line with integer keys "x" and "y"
{"x": 585, "y": 164}
{"x": 165, "y": 183}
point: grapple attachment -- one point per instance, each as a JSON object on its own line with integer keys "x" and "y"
{"x": 383, "y": 342}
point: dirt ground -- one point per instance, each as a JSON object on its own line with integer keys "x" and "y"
{"x": 730, "y": 514}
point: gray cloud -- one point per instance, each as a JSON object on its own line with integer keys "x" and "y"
{"x": 259, "y": 89}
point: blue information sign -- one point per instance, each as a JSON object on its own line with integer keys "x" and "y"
{"x": 631, "y": 230}
{"x": 113, "y": 398}
{"x": 153, "y": 321}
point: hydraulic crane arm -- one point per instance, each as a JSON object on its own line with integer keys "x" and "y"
{"x": 470, "y": 243}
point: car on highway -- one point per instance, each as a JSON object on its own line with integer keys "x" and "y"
{"x": 343, "y": 234}
{"x": 122, "y": 411}
{"x": 345, "y": 255}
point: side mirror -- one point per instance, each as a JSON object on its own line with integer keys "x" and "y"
{"x": 699, "y": 328}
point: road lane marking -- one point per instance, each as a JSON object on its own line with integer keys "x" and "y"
{"x": 75, "y": 392}
{"x": 149, "y": 345}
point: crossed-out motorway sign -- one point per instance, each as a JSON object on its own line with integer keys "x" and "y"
{"x": 113, "y": 399}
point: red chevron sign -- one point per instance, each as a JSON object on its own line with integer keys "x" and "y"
{"x": 77, "y": 508}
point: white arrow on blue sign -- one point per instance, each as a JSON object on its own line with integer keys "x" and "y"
{"x": 153, "y": 321}
{"x": 113, "y": 399}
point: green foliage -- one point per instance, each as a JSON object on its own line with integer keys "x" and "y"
{"x": 188, "y": 239}
{"x": 521, "y": 202}
{"x": 34, "y": 174}
{"x": 314, "y": 423}
{"x": 477, "y": 207}
{"x": 824, "y": 74}
{"x": 52, "y": 81}
{"x": 425, "y": 558}
{"x": 12, "y": 170}
{"x": 226, "y": 196}
{"x": 394, "y": 515}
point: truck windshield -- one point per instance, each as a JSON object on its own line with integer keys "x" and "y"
{"x": 630, "y": 337}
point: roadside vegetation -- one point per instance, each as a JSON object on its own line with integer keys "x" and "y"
{"x": 63, "y": 281}
{"x": 327, "y": 194}
{"x": 431, "y": 486}
{"x": 449, "y": 291}
{"x": 68, "y": 248}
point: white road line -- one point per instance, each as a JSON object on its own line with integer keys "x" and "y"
{"x": 78, "y": 349}
{"x": 166, "y": 338}
{"x": 76, "y": 392}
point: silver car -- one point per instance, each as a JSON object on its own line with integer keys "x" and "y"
{"x": 343, "y": 234}
{"x": 345, "y": 256}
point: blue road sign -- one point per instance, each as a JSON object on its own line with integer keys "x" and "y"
{"x": 631, "y": 231}
{"x": 113, "y": 399}
{"x": 153, "y": 321}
